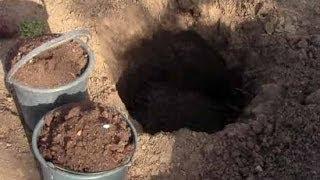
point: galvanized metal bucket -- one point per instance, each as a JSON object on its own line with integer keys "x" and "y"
{"x": 51, "y": 172}
{"x": 35, "y": 102}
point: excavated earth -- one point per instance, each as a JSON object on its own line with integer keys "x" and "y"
{"x": 272, "y": 47}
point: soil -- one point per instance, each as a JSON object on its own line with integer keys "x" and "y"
{"x": 75, "y": 138}
{"x": 23, "y": 46}
{"x": 276, "y": 43}
{"x": 52, "y": 68}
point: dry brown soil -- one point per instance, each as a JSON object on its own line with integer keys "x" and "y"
{"x": 52, "y": 68}
{"x": 75, "y": 138}
{"x": 276, "y": 43}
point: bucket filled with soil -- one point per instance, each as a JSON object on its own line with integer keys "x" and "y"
{"x": 51, "y": 74}
{"x": 84, "y": 141}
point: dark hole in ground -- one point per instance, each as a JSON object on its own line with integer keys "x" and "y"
{"x": 177, "y": 80}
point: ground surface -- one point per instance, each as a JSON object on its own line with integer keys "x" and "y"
{"x": 276, "y": 41}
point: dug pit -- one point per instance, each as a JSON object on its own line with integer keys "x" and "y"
{"x": 177, "y": 80}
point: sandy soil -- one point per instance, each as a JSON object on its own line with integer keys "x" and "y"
{"x": 276, "y": 42}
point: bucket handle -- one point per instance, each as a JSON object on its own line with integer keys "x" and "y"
{"x": 64, "y": 38}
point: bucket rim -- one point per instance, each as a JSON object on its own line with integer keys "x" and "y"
{"x": 83, "y": 76}
{"x": 47, "y": 164}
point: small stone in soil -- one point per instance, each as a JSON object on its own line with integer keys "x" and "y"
{"x": 106, "y": 126}
{"x": 8, "y": 145}
{"x": 79, "y": 133}
{"x": 259, "y": 169}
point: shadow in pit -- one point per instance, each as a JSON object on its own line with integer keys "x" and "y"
{"x": 177, "y": 80}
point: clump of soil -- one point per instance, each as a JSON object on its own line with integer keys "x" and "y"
{"x": 53, "y": 68}
{"x": 77, "y": 138}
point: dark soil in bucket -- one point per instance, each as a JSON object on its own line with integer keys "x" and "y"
{"x": 52, "y": 68}
{"x": 179, "y": 80}
{"x": 77, "y": 138}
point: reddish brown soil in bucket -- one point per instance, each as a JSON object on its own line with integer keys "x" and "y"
{"x": 52, "y": 68}
{"x": 75, "y": 138}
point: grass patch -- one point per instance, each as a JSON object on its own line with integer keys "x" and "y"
{"x": 33, "y": 28}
